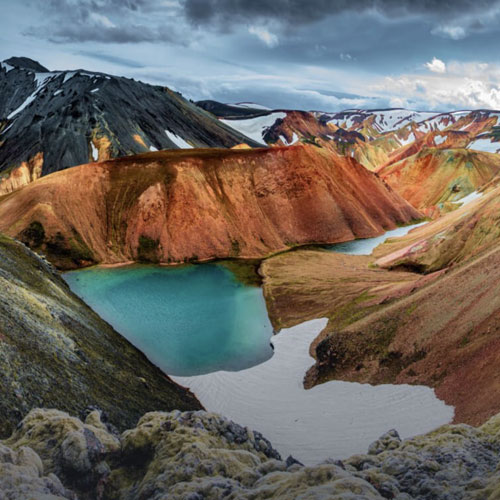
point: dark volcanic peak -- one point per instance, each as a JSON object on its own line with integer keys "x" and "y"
{"x": 232, "y": 111}
{"x": 53, "y": 120}
{"x": 26, "y": 63}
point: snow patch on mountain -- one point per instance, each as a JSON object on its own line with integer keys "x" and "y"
{"x": 178, "y": 141}
{"x": 295, "y": 138}
{"x": 255, "y": 128}
{"x": 485, "y": 145}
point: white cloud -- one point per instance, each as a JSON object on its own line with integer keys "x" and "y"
{"x": 101, "y": 20}
{"x": 436, "y": 66}
{"x": 472, "y": 85}
{"x": 449, "y": 31}
{"x": 345, "y": 57}
{"x": 270, "y": 39}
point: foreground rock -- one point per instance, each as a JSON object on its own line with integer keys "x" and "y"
{"x": 201, "y": 204}
{"x": 199, "y": 455}
{"x": 55, "y": 351}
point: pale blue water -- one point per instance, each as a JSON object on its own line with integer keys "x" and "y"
{"x": 366, "y": 246}
{"x": 187, "y": 320}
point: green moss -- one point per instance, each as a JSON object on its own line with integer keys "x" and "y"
{"x": 411, "y": 309}
{"x": 352, "y": 311}
{"x": 66, "y": 251}
{"x": 244, "y": 271}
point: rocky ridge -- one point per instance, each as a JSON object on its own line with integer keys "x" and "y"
{"x": 199, "y": 455}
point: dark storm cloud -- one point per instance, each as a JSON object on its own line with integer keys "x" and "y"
{"x": 133, "y": 21}
{"x": 106, "y": 21}
{"x": 298, "y": 12}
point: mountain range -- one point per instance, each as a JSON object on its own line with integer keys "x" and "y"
{"x": 100, "y": 169}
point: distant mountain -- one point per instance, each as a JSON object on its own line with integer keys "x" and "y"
{"x": 51, "y": 120}
{"x": 233, "y": 111}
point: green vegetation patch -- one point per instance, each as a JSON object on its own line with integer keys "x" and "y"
{"x": 245, "y": 271}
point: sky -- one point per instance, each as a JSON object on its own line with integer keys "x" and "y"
{"x": 326, "y": 55}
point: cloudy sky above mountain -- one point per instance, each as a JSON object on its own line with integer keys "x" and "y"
{"x": 319, "y": 54}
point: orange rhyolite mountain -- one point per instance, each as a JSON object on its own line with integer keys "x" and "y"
{"x": 433, "y": 179}
{"x": 174, "y": 206}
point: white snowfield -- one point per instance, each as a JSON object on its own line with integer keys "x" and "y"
{"x": 332, "y": 420}
{"x": 295, "y": 138}
{"x": 411, "y": 138}
{"x": 6, "y": 66}
{"x": 485, "y": 145}
{"x": 178, "y": 141}
{"x": 385, "y": 120}
{"x": 41, "y": 80}
{"x": 255, "y": 128}
{"x": 440, "y": 139}
{"x": 469, "y": 198}
{"x": 95, "y": 152}
{"x": 395, "y": 119}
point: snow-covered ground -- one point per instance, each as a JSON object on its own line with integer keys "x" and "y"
{"x": 484, "y": 145}
{"x": 255, "y": 128}
{"x": 367, "y": 245}
{"x": 440, "y": 139}
{"x": 411, "y": 138}
{"x": 178, "y": 141}
{"x": 6, "y": 66}
{"x": 332, "y": 420}
{"x": 469, "y": 198}
{"x": 385, "y": 120}
{"x": 295, "y": 138}
{"x": 40, "y": 79}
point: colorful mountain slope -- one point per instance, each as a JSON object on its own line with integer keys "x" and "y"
{"x": 175, "y": 206}
{"x": 444, "y": 335}
{"x": 434, "y": 179}
{"x": 456, "y": 237}
{"x": 393, "y": 326}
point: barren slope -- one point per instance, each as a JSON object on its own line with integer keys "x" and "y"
{"x": 201, "y": 204}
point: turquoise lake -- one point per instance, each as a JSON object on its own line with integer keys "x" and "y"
{"x": 187, "y": 320}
